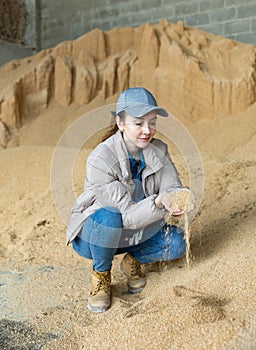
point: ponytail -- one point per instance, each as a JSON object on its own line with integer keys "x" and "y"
{"x": 113, "y": 128}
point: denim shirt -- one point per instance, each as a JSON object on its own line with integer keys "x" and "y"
{"x": 137, "y": 167}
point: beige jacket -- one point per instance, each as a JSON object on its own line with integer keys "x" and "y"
{"x": 109, "y": 184}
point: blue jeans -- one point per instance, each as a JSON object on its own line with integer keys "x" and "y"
{"x": 102, "y": 237}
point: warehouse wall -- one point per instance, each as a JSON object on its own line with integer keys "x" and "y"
{"x": 52, "y": 21}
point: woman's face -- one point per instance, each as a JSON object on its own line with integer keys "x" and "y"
{"x": 138, "y": 132}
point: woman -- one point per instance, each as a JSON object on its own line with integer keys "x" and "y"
{"x": 124, "y": 202}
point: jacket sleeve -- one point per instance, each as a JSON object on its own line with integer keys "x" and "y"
{"x": 111, "y": 191}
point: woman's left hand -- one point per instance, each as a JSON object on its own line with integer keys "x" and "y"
{"x": 178, "y": 212}
{"x": 179, "y": 201}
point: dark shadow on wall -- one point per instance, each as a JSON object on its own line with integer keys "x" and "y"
{"x": 12, "y": 20}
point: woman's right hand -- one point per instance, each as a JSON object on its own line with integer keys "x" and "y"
{"x": 158, "y": 202}
{"x": 177, "y": 202}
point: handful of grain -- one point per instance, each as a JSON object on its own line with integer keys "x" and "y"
{"x": 180, "y": 200}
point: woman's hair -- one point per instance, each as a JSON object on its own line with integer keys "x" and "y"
{"x": 113, "y": 128}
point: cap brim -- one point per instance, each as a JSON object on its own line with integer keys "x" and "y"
{"x": 141, "y": 110}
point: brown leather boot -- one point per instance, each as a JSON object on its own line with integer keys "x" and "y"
{"x": 136, "y": 280}
{"x": 100, "y": 295}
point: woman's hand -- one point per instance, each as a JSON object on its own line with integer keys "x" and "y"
{"x": 177, "y": 202}
{"x": 158, "y": 202}
{"x": 178, "y": 212}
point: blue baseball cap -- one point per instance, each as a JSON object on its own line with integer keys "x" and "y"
{"x": 137, "y": 101}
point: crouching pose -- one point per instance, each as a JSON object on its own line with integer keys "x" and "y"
{"x": 122, "y": 208}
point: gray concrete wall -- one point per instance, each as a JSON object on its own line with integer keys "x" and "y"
{"x": 64, "y": 19}
{"x": 32, "y": 34}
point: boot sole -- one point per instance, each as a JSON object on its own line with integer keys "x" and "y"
{"x": 96, "y": 309}
{"x": 134, "y": 291}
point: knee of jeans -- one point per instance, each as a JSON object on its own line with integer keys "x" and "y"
{"x": 108, "y": 217}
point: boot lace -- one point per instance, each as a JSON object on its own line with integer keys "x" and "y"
{"x": 102, "y": 284}
{"x": 136, "y": 269}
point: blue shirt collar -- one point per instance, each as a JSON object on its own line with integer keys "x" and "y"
{"x": 137, "y": 165}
